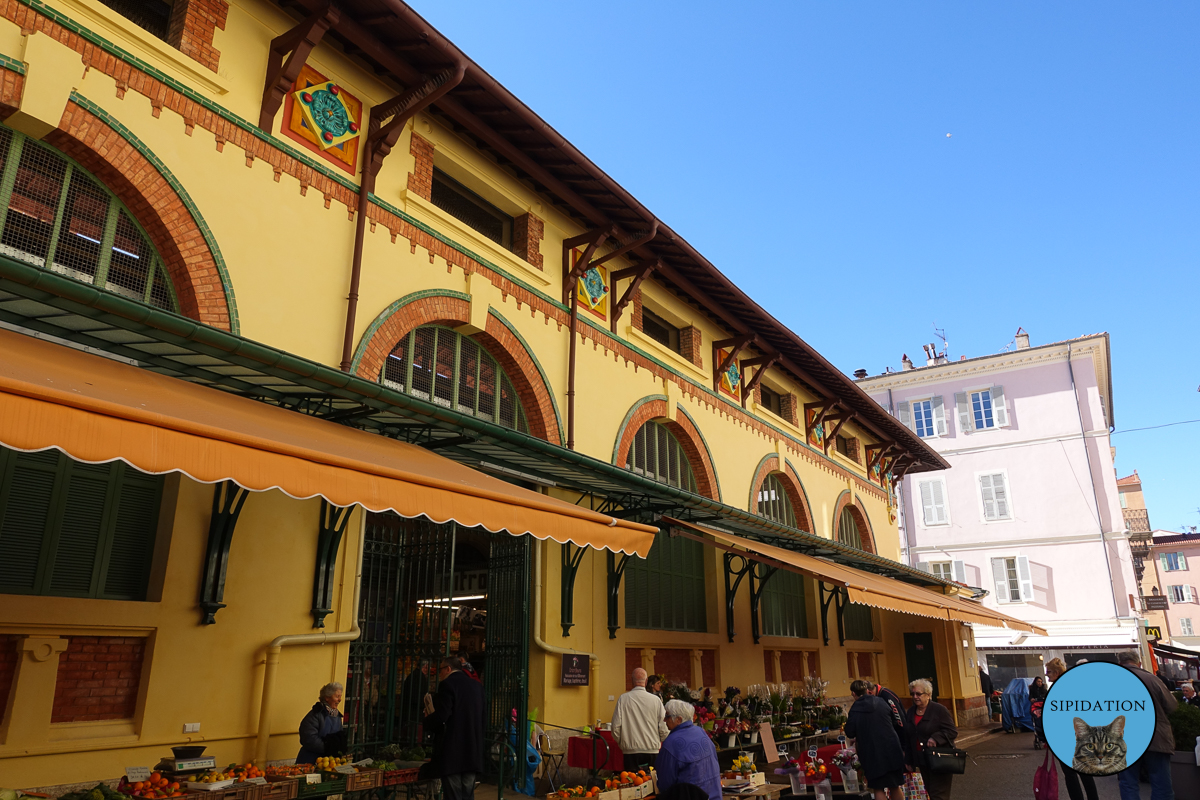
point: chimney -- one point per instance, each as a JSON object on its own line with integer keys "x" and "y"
{"x": 905, "y": 362}
{"x": 859, "y": 374}
{"x": 1022, "y": 339}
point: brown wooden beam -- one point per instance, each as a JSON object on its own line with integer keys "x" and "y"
{"x": 282, "y": 72}
{"x": 639, "y": 273}
{"x": 842, "y": 419}
{"x": 736, "y": 345}
{"x": 763, "y": 363}
{"x": 593, "y": 239}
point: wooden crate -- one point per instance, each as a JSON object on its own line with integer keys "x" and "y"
{"x": 325, "y": 787}
{"x": 363, "y": 779}
{"x": 283, "y": 788}
{"x": 396, "y": 777}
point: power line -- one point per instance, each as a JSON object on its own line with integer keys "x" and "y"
{"x": 1154, "y": 427}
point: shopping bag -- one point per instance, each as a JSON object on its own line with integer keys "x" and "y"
{"x": 914, "y": 787}
{"x": 1045, "y": 779}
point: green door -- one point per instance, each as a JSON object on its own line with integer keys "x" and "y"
{"x": 506, "y": 674}
{"x": 918, "y": 655}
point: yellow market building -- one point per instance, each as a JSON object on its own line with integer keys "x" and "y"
{"x": 324, "y": 356}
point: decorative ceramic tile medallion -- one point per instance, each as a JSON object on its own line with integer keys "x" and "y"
{"x": 321, "y": 115}
{"x": 592, "y": 289}
{"x": 731, "y": 379}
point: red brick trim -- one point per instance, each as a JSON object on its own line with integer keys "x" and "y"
{"x": 285, "y": 162}
{"x": 860, "y": 518}
{"x": 789, "y": 406}
{"x": 146, "y": 193}
{"x": 527, "y": 235}
{"x": 689, "y": 345}
{"x": 420, "y": 180}
{"x": 98, "y": 678}
{"x": 635, "y": 316}
{"x": 791, "y": 486}
{"x": 192, "y": 27}
{"x": 497, "y": 340}
{"x": 8, "y": 668}
{"x": 684, "y": 431}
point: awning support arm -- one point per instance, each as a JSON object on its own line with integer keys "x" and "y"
{"x": 616, "y": 569}
{"x": 329, "y": 541}
{"x": 228, "y": 499}
{"x": 825, "y": 597}
{"x": 282, "y": 72}
{"x": 759, "y": 575}
{"x": 841, "y": 598}
{"x": 733, "y": 581}
{"x": 570, "y": 568}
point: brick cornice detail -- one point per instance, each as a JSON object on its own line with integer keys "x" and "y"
{"x": 684, "y": 431}
{"x": 285, "y": 162}
{"x": 497, "y": 340}
{"x": 791, "y": 486}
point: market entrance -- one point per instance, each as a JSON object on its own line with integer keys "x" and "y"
{"x": 429, "y": 591}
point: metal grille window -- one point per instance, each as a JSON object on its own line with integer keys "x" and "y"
{"x": 71, "y": 529}
{"x": 464, "y": 205}
{"x": 151, "y": 15}
{"x": 785, "y": 606}
{"x": 657, "y": 454}
{"x": 773, "y": 502}
{"x": 660, "y": 330}
{"x": 59, "y": 215}
{"x": 848, "y": 532}
{"x": 666, "y": 590}
{"x": 452, "y": 370}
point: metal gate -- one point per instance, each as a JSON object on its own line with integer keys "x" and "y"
{"x": 406, "y": 613}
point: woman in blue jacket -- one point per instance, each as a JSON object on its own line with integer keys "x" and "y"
{"x": 319, "y": 724}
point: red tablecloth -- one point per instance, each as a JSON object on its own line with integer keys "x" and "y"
{"x": 579, "y": 752}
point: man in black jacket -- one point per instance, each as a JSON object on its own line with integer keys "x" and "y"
{"x": 456, "y": 721}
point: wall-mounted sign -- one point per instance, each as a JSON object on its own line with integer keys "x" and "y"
{"x": 575, "y": 670}
{"x": 1156, "y": 602}
{"x": 1153, "y": 633}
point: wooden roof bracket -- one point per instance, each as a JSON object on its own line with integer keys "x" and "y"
{"x": 763, "y": 363}
{"x": 593, "y": 239}
{"x": 876, "y": 452}
{"x": 282, "y": 72}
{"x": 639, "y": 273}
{"x": 736, "y": 345}
{"x": 841, "y": 420}
{"x": 822, "y": 407}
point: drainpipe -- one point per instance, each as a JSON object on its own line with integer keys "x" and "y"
{"x": 1095, "y": 495}
{"x": 275, "y": 648}
{"x": 594, "y": 682}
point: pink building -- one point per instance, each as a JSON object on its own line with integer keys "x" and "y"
{"x": 1177, "y": 562}
{"x": 1030, "y": 510}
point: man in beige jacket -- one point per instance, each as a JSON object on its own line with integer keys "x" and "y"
{"x": 639, "y": 724}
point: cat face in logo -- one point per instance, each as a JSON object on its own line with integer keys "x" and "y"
{"x": 1100, "y": 749}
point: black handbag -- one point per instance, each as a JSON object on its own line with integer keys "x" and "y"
{"x": 948, "y": 760}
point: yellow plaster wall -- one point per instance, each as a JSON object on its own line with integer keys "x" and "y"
{"x": 211, "y": 674}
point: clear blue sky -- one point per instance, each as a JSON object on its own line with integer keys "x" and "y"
{"x": 802, "y": 147}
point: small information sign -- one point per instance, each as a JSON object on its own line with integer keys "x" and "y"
{"x": 261, "y": 781}
{"x": 312, "y": 777}
{"x": 575, "y": 670}
{"x": 346, "y": 769}
{"x": 770, "y": 751}
{"x": 136, "y": 774}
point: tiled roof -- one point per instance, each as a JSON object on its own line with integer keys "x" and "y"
{"x": 1130, "y": 480}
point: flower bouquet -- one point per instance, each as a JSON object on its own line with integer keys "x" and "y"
{"x": 816, "y": 773}
{"x": 847, "y": 761}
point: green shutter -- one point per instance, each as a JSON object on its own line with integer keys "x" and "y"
{"x": 128, "y": 565}
{"x": 785, "y": 606}
{"x": 72, "y": 570}
{"x": 25, "y": 503}
{"x": 857, "y": 622}
{"x": 666, "y": 590}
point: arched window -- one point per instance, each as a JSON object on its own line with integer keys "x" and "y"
{"x": 774, "y": 503}
{"x": 657, "y": 454}
{"x": 61, "y": 216}
{"x": 848, "y": 532}
{"x": 452, "y": 370}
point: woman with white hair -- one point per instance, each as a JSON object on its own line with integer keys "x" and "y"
{"x": 929, "y": 725}
{"x": 321, "y": 731}
{"x": 687, "y": 755}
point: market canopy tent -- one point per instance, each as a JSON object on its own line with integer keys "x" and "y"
{"x": 97, "y": 410}
{"x": 862, "y": 587}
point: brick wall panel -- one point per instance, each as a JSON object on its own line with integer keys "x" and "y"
{"x": 528, "y": 232}
{"x": 420, "y": 180}
{"x": 98, "y": 678}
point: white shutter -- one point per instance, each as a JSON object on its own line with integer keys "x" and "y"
{"x": 1162, "y": 559}
{"x": 958, "y": 569}
{"x": 1001, "y": 493}
{"x": 939, "y": 415}
{"x": 989, "y": 497}
{"x": 904, "y": 414}
{"x": 924, "y": 567}
{"x": 963, "y": 405}
{"x": 1189, "y": 594}
{"x": 937, "y": 490}
{"x": 1026, "y": 578}
{"x": 1000, "y": 579}
{"x": 928, "y": 510}
{"x": 1182, "y": 560}
{"x": 999, "y": 407}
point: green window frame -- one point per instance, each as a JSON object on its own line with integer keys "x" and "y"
{"x": 848, "y": 532}
{"x": 656, "y": 453}
{"x": 774, "y": 503}
{"x": 443, "y": 366}
{"x": 858, "y": 623}
{"x": 71, "y": 529}
{"x": 785, "y": 605}
{"x": 666, "y": 591}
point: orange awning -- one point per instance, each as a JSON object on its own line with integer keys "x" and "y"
{"x": 866, "y": 588}
{"x": 98, "y": 410}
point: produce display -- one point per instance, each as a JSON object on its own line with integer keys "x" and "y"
{"x": 331, "y": 763}
{"x": 626, "y": 779}
{"x": 157, "y": 786}
{"x": 99, "y": 792}
{"x": 237, "y": 773}
{"x": 290, "y": 770}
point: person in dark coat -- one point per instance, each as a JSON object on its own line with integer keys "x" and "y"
{"x": 929, "y": 725}
{"x": 1079, "y": 784}
{"x": 456, "y": 721}
{"x": 413, "y": 689}
{"x": 1157, "y": 758}
{"x": 985, "y": 683}
{"x": 1038, "y": 690}
{"x": 894, "y": 703}
{"x": 869, "y": 723}
{"x": 321, "y": 731}
{"x": 1189, "y": 693}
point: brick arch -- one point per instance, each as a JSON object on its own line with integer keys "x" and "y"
{"x": 655, "y": 408}
{"x": 452, "y": 309}
{"x": 791, "y": 486}
{"x": 161, "y": 206}
{"x": 845, "y": 501}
